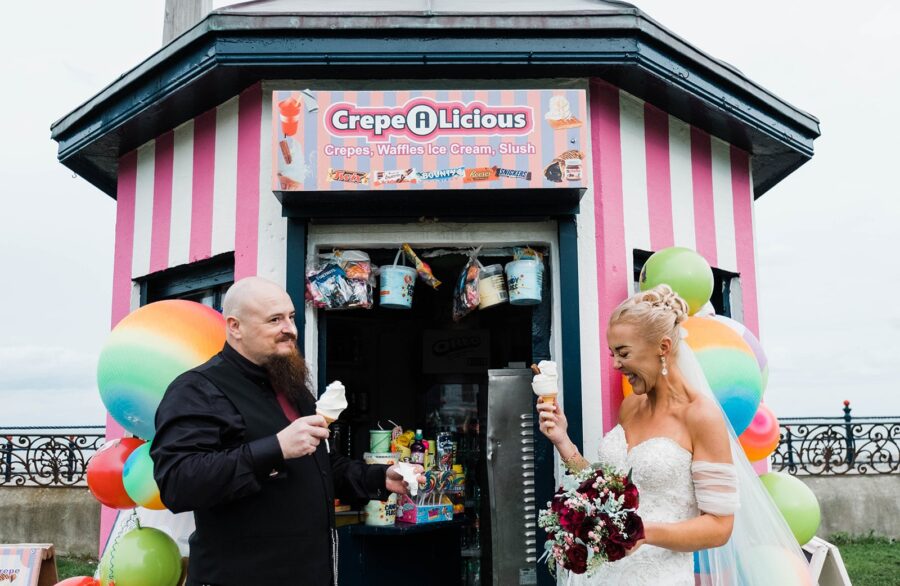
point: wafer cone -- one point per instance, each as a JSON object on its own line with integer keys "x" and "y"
{"x": 328, "y": 420}
{"x": 548, "y": 399}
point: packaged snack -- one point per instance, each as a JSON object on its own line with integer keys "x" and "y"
{"x": 466, "y": 297}
{"x": 422, "y": 268}
{"x": 343, "y": 280}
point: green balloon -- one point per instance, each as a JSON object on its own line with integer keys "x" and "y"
{"x": 797, "y": 503}
{"x": 682, "y": 269}
{"x": 142, "y": 557}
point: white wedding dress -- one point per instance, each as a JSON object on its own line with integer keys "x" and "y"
{"x": 661, "y": 470}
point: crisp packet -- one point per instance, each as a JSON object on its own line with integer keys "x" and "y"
{"x": 422, "y": 268}
{"x": 466, "y": 297}
{"x": 344, "y": 280}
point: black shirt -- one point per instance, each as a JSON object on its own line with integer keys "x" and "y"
{"x": 201, "y": 460}
{"x": 216, "y": 453}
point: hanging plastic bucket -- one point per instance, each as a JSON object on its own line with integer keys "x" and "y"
{"x": 524, "y": 279}
{"x": 397, "y": 285}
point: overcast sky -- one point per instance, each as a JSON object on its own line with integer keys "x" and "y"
{"x": 827, "y": 236}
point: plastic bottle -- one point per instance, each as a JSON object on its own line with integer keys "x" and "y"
{"x": 417, "y": 449}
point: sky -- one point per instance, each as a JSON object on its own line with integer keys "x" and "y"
{"x": 827, "y": 236}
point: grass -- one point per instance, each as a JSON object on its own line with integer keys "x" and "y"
{"x": 68, "y": 567}
{"x": 870, "y": 560}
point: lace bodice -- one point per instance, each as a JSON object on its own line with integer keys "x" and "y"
{"x": 661, "y": 469}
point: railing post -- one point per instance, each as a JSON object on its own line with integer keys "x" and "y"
{"x": 71, "y": 459}
{"x": 790, "y": 449}
{"x": 8, "y": 457}
{"x": 848, "y": 428}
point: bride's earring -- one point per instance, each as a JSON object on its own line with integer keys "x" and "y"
{"x": 665, "y": 369}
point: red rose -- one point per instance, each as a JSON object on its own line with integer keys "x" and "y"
{"x": 632, "y": 498}
{"x": 614, "y": 552}
{"x": 587, "y": 488}
{"x": 571, "y": 520}
{"x": 557, "y": 505}
{"x": 634, "y": 529}
{"x": 577, "y": 557}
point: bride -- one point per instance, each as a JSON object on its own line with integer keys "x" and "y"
{"x": 698, "y": 492}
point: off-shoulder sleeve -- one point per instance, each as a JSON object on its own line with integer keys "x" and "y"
{"x": 716, "y": 488}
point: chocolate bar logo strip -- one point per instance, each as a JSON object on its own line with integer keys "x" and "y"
{"x": 423, "y": 120}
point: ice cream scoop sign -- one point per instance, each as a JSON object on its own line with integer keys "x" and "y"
{"x": 424, "y": 119}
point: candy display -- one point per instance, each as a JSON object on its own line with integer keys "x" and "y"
{"x": 345, "y": 176}
{"x": 344, "y": 280}
{"x": 512, "y": 173}
{"x": 422, "y": 268}
{"x": 395, "y": 176}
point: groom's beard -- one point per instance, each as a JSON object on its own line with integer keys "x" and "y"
{"x": 288, "y": 374}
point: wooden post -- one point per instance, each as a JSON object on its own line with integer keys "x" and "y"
{"x": 182, "y": 15}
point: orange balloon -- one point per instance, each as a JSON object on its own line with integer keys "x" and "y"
{"x": 761, "y": 437}
{"x": 627, "y": 389}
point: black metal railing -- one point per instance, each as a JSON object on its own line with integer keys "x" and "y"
{"x": 47, "y": 456}
{"x": 838, "y": 445}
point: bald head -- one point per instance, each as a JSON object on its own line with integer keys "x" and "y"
{"x": 247, "y": 293}
{"x": 259, "y": 318}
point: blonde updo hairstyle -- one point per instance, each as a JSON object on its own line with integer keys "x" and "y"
{"x": 657, "y": 313}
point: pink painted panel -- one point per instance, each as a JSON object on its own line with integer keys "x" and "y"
{"x": 246, "y": 238}
{"x": 203, "y": 184}
{"x": 612, "y": 268}
{"x": 659, "y": 178}
{"x": 704, "y": 216}
{"x": 743, "y": 234}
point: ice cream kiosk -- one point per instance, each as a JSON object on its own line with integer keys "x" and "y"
{"x": 450, "y": 191}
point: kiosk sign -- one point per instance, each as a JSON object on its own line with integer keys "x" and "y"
{"x": 339, "y": 140}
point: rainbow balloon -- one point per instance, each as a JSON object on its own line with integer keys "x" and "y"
{"x": 752, "y": 341}
{"x": 137, "y": 476}
{"x": 147, "y": 350}
{"x": 730, "y": 368}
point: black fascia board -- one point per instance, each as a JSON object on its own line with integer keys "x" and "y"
{"x": 209, "y": 65}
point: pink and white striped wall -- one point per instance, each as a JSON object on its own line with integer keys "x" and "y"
{"x": 203, "y": 189}
{"x": 659, "y": 182}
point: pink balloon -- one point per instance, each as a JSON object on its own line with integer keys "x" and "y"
{"x": 761, "y": 437}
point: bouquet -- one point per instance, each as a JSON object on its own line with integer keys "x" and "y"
{"x": 591, "y": 520}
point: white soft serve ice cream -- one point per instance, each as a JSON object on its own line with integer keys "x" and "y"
{"x": 559, "y": 109}
{"x": 546, "y": 384}
{"x": 332, "y": 402}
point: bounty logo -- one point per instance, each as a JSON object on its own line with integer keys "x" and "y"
{"x": 424, "y": 120}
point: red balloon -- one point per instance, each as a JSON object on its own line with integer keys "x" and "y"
{"x": 104, "y": 472}
{"x": 78, "y": 581}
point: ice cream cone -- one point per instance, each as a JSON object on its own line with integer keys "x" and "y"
{"x": 328, "y": 420}
{"x": 548, "y": 399}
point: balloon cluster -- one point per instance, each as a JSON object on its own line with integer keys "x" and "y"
{"x": 141, "y": 357}
{"x": 737, "y": 370}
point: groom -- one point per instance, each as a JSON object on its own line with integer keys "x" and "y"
{"x": 238, "y": 442}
